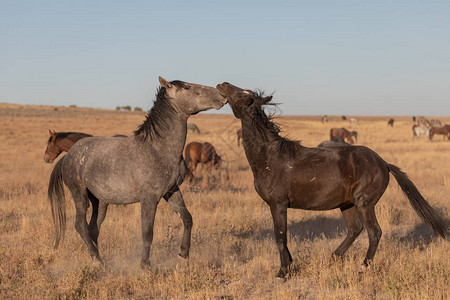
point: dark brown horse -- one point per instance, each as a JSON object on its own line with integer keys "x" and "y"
{"x": 343, "y": 133}
{"x": 391, "y": 122}
{"x": 439, "y": 130}
{"x": 203, "y": 153}
{"x": 61, "y": 142}
{"x": 289, "y": 175}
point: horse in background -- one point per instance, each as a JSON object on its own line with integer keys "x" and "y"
{"x": 353, "y": 121}
{"x": 239, "y": 136}
{"x": 424, "y": 122}
{"x": 203, "y": 153}
{"x": 436, "y": 123}
{"x": 193, "y": 127}
{"x": 391, "y": 122}
{"x": 439, "y": 130}
{"x": 325, "y": 119}
{"x": 61, "y": 142}
{"x": 338, "y": 142}
{"x": 344, "y": 134}
{"x": 419, "y": 130}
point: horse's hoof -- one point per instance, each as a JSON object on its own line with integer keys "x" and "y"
{"x": 183, "y": 261}
{"x": 183, "y": 256}
{"x": 145, "y": 265}
{"x": 97, "y": 263}
{"x": 363, "y": 269}
{"x": 280, "y": 279}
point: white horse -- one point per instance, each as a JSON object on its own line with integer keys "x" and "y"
{"x": 418, "y": 131}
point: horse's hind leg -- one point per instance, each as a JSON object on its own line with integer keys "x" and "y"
{"x": 354, "y": 228}
{"x": 177, "y": 204}
{"x": 81, "y": 203}
{"x": 367, "y": 215}
{"x": 97, "y": 218}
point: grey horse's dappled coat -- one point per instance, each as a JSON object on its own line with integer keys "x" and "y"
{"x": 144, "y": 167}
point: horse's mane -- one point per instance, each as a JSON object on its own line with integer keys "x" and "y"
{"x": 161, "y": 115}
{"x": 74, "y": 136}
{"x": 264, "y": 125}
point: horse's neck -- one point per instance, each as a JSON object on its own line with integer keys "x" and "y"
{"x": 256, "y": 147}
{"x": 173, "y": 138}
{"x": 66, "y": 143}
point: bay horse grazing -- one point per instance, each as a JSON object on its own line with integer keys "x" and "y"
{"x": 144, "y": 167}
{"x": 439, "y": 130}
{"x": 203, "y": 153}
{"x": 391, "y": 122}
{"x": 239, "y": 136}
{"x": 419, "y": 130}
{"x": 344, "y": 134}
{"x": 61, "y": 142}
{"x": 289, "y": 175}
{"x": 193, "y": 127}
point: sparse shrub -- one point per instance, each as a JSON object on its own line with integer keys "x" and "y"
{"x": 72, "y": 106}
{"x": 126, "y": 107}
{"x": 137, "y": 109}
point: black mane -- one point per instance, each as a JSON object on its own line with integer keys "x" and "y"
{"x": 160, "y": 116}
{"x": 69, "y": 135}
{"x": 263, "y": 124}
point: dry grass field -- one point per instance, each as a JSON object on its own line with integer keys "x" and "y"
{"x": 233, "y": 253}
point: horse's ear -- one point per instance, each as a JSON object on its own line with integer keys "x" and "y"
{"x": 164, "y": 83}
{"x": 266, "y": 100}
{"x": 52, "y": 133}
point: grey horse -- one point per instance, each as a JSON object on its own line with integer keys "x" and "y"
{"x": 144, "y": 167}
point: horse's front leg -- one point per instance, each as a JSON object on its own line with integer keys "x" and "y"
{"x": 148, "y": 211}
{"x": 176, "y": 202}
{"x": 279, "y": 215}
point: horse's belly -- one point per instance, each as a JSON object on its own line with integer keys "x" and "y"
{"x": 313, "y": 198}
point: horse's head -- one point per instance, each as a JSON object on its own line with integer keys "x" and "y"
{"x": 242, "y": 101}
{"x": 191, "y": 98}
{"x": 53, "y": 150}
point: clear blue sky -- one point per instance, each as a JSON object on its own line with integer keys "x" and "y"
{"x": 319, "y": 57}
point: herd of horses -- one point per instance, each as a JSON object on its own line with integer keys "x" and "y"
{"x": 149, "y": 165}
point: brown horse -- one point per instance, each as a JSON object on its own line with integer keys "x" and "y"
{"x": 344, "y": 134}
{"x": 203, "y": 153}
{"x": 61, "y": 142}
{"x": 440, "y": 130}
{"x": 391, "y": 122}
{"x": 289, "y": 175}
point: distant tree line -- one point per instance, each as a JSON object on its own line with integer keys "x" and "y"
{"x": 128, "y": 108}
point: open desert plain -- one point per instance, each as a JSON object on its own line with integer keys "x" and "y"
{"x": 233, "y": 254}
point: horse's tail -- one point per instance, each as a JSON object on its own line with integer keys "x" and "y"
{"x": 420, "y": 205}
{"x": 57, "y": 201}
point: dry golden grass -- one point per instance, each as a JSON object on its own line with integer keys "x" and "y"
{"x": 233, "y": 254}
